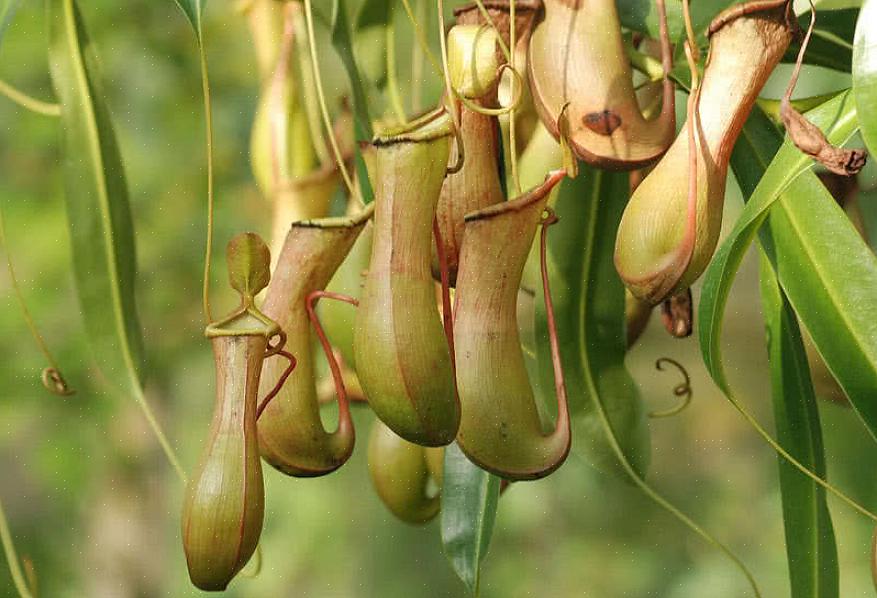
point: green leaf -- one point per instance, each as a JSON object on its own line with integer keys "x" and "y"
{"x": 831, "y": 44}
{"x": 7, "y": 13}
{"x": 343, "y": 44}
{"x": 193, "y": 9}
{"x": 588, "y": 299}
{"x": 810, "y": 544}
{"x": 469, "y": 499}
{"x": 370, "y": 38}
{"x": 249, "y": 264}
{"x": 826, "y": 270}
{"x": 865, "y": 73}
{"x": 96, "y": 193}
{"x": 362, "y": 124}
{"x": 642, "y": 16}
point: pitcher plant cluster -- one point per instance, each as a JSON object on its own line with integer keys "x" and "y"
{"x": 555, "y": 117}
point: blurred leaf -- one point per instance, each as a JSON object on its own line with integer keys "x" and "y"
{"x": 362, "y": 124}
{"x": 370, "y": 38}
{"x": 193, "y": 9}
{"x": 469, "y": 499}
{"x": 7, "y": 13}
{"x": 831, "y": 44}
{"x": 865, "y": 73}
{"x": 810, "y": 545}
{"x": 642, "y": 16}
{"x": 588, "y": 299}
{"x": 96, "y": 193}
{"x": 825, "y": 268}
{"x": 343, "y": 44}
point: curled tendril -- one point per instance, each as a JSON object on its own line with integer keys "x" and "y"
{"x": 55, "y": 383}
{"x": 280, "y": 381}
{"x": 277, "y": 347}
{"x": 682, "y": 389}
{"x": 461, "y": 154}
{"x": 549, "y": 217}
{"x": 517, "y": 88}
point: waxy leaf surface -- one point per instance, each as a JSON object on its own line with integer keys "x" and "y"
{"x": 469, "y": 499}
{"x": 865, "y": 73}
{"x": 96, "y": 194}
{"x": 824, "y": 267}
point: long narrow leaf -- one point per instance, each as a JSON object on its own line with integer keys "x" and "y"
{"x": 589, "y": 307}
{"x": 362, "y": 124}
{"x": 469, "y": 499}
{"x": 865, "y": 72}
{"x": 193, "y": 9}
{"x": 343, "y": 44}
{"x": 825, "y": 268}
{"x": 98, "y": 211}
{"x": 810, "y": 545}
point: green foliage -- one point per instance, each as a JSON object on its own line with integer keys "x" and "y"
{"x": 810, "y": 544}
{"x": 826, "y": 277}
{"x": 194, "y": 10}
{"x": 98, "y": 209}
{"x": 865, "y": 73}
{"x": 469, "y": 501}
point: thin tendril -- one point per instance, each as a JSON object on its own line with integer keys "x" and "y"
{"x": 208, "y": 122}
{"x": 51, "y": 376}
{"x": 280, "y": 381}
{"x": 344, "y": 418}
{"x": 392, "y": 79}
{"x": 421, "y": 38}
{"x": 486, "y": 15}
{"x": 689, "y": 32}
{"x": 324, "y": 109}
{"x": 794, "y": 462}
{"x": 157, "y": 430}
{"x": 793, "y": 80}
{"x": 12, "y": 557}
{"x": 682, "y": 390}
{"x": 516, "y": 96}
{"x": 562, "y": 425}
{"x": 513, "y": 141}
{"x": 656, "y": 497}
{"x": 454, "y": 109}
{"x": 311, "y": 104}
{"x": 28, "y": 102}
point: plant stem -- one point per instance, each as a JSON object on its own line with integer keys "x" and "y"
{"x": 324, "y": 109}
{"x": 12, "y": 557}
{"x": 28, "y": 102}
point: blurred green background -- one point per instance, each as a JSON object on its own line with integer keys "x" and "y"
{"x": 95, "y": 508}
